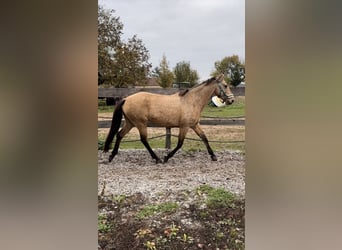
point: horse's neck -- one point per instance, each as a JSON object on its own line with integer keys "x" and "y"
{"x": 202, "y": 94}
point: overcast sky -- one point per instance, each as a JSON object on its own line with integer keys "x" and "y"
{"x": 198, "y": 31}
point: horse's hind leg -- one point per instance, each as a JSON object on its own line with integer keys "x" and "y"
{"x": 125, "y": 129}
{"x": 204, "y": 138}
{"x": 181, "y": 137}
{"x": 143, "y": 139}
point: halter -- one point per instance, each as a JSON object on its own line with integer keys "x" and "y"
{"x": 223, "y": 93}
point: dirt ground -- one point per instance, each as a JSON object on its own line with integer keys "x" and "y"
{"x": 135, "y": 171}
{"x": 133, "y": 183}
{"x": 144, "y": 205}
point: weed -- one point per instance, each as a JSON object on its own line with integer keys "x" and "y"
{"x": 150, "y": 245}
{"x": 141, "y": 233}
{"x": 103, "y": 224}
{"x": 187, "y": 239}
{"x": 172, "y": 231}
{"x": 100, "y": 144}
{"x": 119, "y": 198}
{"x": 219, "y": 235}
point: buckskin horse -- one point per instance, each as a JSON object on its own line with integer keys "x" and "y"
{"x": 182, "y": 110}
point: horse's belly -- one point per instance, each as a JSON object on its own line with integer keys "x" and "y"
{"x": 169, "y": 120}
{"x": 164, "y": 120}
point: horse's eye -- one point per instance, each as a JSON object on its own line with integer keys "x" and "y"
{"x": 225, "y": 86}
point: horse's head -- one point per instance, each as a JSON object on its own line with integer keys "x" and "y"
{"x": 223, "y": 91}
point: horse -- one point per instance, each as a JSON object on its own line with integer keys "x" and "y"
{"x": 182, "y": 110}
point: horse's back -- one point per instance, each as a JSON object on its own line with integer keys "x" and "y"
{"x": 164, "y": 110}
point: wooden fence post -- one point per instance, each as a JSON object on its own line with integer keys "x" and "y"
{"x": 168, "y": 138}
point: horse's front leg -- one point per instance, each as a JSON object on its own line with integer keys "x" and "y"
{"x": 204, "y": 138}
{"x": 181, "y": 137}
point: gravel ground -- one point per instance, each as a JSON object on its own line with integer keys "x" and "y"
{"x": 134, "y": 171}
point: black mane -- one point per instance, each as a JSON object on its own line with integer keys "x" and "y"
{"x": 185, "y": 91}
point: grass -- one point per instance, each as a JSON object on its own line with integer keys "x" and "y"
{"x": 217, "y": 197}
{"x": 103, "y": 108}
{"x": 234, "y": 110}
{"x": 150, "y": 210}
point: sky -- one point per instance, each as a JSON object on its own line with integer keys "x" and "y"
{"x": 197, "y": 31}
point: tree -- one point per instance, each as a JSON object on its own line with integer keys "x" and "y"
{"x": 109, "y": 30}
{"x": 120, "y": 63}
{"x": 165, "y": 76}
{"x": 131, "y": 64}
{"x": 184, "y": 73}
{"x": 233, "y": 69}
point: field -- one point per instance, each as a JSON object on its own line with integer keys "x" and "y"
{"x": 190, "y": 202}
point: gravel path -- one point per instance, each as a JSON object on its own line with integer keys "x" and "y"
{"x": 134, "y": 171}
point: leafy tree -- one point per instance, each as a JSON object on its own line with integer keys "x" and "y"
{"x": 233, "y": 69}
{"x": 131, "y": 65}
{"x": 109, "y": 30}
{"x": 120, "y": 63}
{"x": 165, "y": 76}
{"x": 184, "y": 73}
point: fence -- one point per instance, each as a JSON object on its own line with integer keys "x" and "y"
{"x": 239, "y": 120}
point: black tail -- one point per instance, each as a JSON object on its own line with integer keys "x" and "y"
{"x": 116, "y": 122}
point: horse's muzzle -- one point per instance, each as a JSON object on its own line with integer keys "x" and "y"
{"x": 229, "y": 101}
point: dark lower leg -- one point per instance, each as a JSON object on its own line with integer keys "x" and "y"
{"x": 116, "y": 147}
{"x": 169, "y": 155}
{"x": 206, "y": 143}
{"x": 201, "y": 134}
{"x": 125, "y": 129}
{"x": 147, "y": 146}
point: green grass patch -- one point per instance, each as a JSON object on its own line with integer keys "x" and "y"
{"x": 100, "y": 144}
{"x": 103, "y": 225}
{"x": 217, "y": 197}
{"x": 234, "y": 110}
{"x": 150, "y": 210}
{"x": 103, "y": 108}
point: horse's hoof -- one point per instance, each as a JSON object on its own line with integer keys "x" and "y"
{"x": 213, "y": 158}
{"x": 110, "y": 158}
{"x": 158, "y": 161}
{"x": 165, "y": 159}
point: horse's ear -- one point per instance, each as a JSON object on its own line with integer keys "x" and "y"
{"x": 220, "y": 77}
